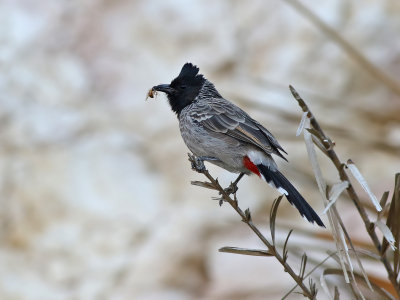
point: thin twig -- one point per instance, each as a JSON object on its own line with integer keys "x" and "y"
{"x": 310, "y": 272}
{"x": 245, "y": 251}
{"x": 380, "y": 291}
{"x": 328, "y": 144}
{"x": 246, "y": 218}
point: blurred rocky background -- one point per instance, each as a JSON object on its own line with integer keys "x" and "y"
{"x": 96, "y": 201}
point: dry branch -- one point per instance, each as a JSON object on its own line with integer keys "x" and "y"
{"x": 198, "y": 165}
{"x": 328, "y": 150}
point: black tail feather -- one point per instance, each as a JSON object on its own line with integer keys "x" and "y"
{"x": 277, "y": 179}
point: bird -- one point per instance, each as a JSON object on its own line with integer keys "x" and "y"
{"x": 216, "y": 130}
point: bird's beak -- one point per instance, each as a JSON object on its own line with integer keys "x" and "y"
{"x": 166, "y": 88}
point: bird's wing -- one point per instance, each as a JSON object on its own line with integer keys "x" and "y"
{"x": 219, "y": 115}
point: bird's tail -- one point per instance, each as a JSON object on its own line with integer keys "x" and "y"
{"x": 280, "y": 182}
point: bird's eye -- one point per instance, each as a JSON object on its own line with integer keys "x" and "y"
{"x": 183, "y": 86}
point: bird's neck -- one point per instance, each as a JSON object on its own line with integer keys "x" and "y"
{"x": 208, "y": 90}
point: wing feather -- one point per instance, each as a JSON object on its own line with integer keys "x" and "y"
{"x": 219, "y": 115}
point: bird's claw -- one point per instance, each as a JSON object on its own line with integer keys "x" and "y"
{"x": 197, "y": 163}
{"x": 231, "y": 189}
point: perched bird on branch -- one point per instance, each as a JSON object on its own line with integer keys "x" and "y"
{"x": 218, "y": 131}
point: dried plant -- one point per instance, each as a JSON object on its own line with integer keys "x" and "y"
{"x": 308, "y": 291}
{"x": 346, "y": 46}
{"x": 327, "y": 147}
{"x": 348, "y": 258}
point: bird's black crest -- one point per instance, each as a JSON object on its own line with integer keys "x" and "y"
{"x": 189, "y": 70}
{"x": 185, "y": 88}
{"x": 189, "y": 77}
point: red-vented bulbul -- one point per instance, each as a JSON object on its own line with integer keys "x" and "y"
{"x": 218, "y": 131}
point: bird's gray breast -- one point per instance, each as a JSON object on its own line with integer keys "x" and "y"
{"x": 195, "y": 136}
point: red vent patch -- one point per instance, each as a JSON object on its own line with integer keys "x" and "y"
{"x": 248, "y": 164}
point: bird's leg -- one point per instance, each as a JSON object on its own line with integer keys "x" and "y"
{"x": 238, "y": 179}
{"x": 198, "y": 162}
{"x": 232, "y": 189}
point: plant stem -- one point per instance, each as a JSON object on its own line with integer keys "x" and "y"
{"x": 327, "y": 143}
{"x": 247, "y": 219}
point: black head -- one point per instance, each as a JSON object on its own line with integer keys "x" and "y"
{"x": 184, "y": 89}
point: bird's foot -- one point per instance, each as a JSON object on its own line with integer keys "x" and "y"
{"x": 197, "y": 163}
{"x": 231, "y": 189}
